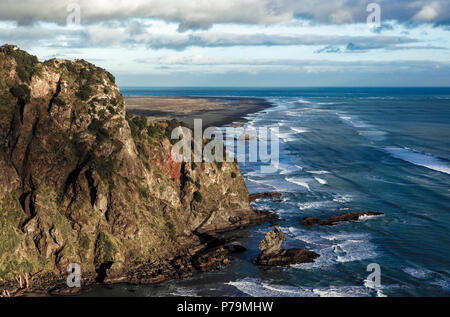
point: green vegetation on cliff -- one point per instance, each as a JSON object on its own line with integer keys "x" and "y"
{"x": 83, "y": 182}
{"x": 27, "y": 65}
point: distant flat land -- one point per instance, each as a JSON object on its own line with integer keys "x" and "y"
{"x": 214, "y": 111}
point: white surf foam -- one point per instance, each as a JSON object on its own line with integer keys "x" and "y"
{"x": 182, "y": 292}
{"x": 303, "y": 182}
{"x": 342, "y": 198}
{"x": 315, "y": 204}
{"x": 303, "y": 101}
{"x": 333, "y": 248}
{"x": 329, "y": 103}
{"x": 288, "y": 169}
{"x": 417, "y": 273}
{"x": 318, "y": 172}
{"x": 321, "y": 180}
{"x": 418, "y": 158}
{"x": 375, "y": 135}
{"x": 443, "y": 283}
{"x": 368, "y": 217}
{"x": 299, "y": 130}
{"x": 351, "y": 247}
{"x": 287, "y": 136}
{"x": 353, "y": 121}
{"x": 297, "y": 113}
{"x": 271, "y": 184}
{"x": 257, "y": 288}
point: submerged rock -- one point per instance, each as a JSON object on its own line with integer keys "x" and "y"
{"x": 349, "y": 216}
{"x": 310, "y": 221}
{"x": 272, "y": 254}
{"x": 254, "y": 197}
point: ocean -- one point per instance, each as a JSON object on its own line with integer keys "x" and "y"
{"x": 341, "y": 150}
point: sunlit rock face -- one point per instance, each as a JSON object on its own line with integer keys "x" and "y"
{"x": 83, "y": 182}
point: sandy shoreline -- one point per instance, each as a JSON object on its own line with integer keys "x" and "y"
{"x": 214, "y": 111}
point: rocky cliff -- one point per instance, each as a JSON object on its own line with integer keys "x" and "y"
{"x": 83, "y": 182}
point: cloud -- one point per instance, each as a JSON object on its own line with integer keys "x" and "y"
{"x": 351, "y": 47}
{"x": 177, "y": 41}
{"x": 173, "y": 62}
{"x": 328, "y": 49}
{"x": 134, "y": 34}
{"x": 428, "y": 13}
{"x": 202, "y": 14}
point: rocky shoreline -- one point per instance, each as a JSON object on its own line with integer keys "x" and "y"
{"x": 206, "y": 251}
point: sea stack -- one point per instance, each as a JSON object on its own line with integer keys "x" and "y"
{"x": 272, "y": 254}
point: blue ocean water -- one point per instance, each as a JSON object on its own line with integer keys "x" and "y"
{"x": 342, "y": 149}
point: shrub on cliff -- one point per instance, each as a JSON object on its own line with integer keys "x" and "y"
{"x": 96, "y": 128}
{"x": 111, "y": 77}
{"x": 198, "y": 197}
{"x": 26, "y": 65}
{"x": 84, "y": 92}
{"x": 21, "y": 92}
{"x": 59, "y": 102}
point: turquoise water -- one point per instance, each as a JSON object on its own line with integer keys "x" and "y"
{"x": 343, "y": 149}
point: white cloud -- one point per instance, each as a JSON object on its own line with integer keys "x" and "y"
{"x": 132, "y": 35}
{"x": 202, "y": 14}
{"x": 180, "y": 41}
{"x": 286, "y": 64}
{"x": 171, "y": 37}
{"x": 428, "y": 13}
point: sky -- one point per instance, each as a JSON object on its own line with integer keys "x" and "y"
{"x": 241, "y": 42}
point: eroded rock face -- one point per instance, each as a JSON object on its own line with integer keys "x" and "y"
{"x": 349, "y": 216}
{"x": 272, "y": 254}
{"x": 82, "y": 182}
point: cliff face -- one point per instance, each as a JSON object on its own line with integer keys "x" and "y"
{"x": 82, "y": 182}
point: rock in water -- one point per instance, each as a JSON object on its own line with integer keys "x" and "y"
{"x": 272, "y": 254}
{"x": 349, "y": 216}
{"x": 271, "y": 244}
{"x": 310, "y": 221}
{"x": 287, "y": 257}
{"x": 254, "y": 197}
